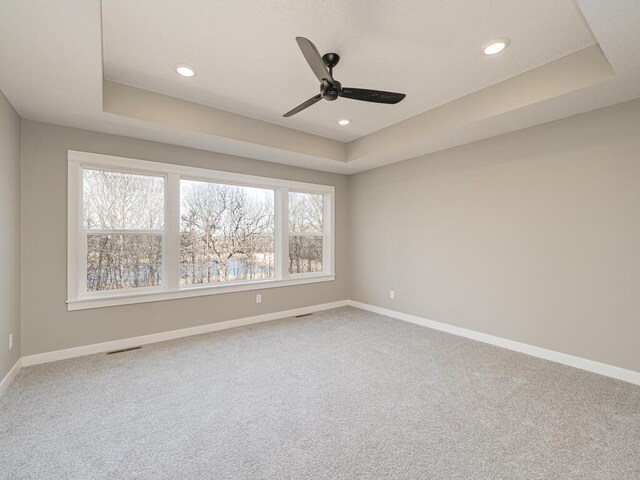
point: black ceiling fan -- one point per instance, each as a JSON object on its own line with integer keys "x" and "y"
{"x": 331, "y": 89}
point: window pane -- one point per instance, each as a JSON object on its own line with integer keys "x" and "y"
{"x": 305, "y": 212}
{"x": 114, "y": 200}
{"x": 305, "y": 254}
{"x": 123, "y": 261}
{"x": 226, "y": 233}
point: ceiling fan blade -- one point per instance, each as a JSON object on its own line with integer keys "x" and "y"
{"x": 303, "y": 105}
{"x": 314, "y": 59}
{"x": 377, "y": 96}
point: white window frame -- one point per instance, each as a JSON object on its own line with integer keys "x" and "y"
{"x": 77, "y": 296}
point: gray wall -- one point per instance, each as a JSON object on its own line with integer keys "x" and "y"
{"x": 46, "y": 323}
{"x": 532, "y": 236}
{"x": 9, "y": 235}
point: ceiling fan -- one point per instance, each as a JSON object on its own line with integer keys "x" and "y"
{"x": 331, "y": 89}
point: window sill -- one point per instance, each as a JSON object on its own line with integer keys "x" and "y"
{"x": 192, "y": 291}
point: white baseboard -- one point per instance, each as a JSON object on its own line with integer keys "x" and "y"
{"x": 573, "y": 361}
{"x": 162, "y": 336}
{"x": 577, "y": 362}
{"x": 8, "y": 378}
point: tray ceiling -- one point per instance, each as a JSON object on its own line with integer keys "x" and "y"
{"x": 108, "y": 66}
{"x": 249, "y": 63}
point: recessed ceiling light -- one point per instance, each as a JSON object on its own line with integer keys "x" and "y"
{"x": 185, "y": 70}
{"x": 344, "y": 122}
{"x": 495, "y": 47}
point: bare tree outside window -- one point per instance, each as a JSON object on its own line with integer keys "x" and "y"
{"x": 123, "y": 218}
{"x": 306, "y": 232}
{"x": 227, "y": 233}
{"x": 123, "y": 261}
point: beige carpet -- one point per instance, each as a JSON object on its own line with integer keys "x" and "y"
{"x": 342, "y": 394}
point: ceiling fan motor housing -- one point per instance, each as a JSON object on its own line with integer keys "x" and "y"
{"x": 330, "y": 91}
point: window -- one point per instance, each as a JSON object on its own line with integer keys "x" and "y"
{"x": 141, "y": 231}
{"x": 123, "y": 228}
{"x": 306, "y": 216}
{"x": 226, "y": 233}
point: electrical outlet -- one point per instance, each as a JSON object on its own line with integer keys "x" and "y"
{"x": 258, "y": 298}
{"x": 392, "y": 294}
{"x": 10, "y": 341}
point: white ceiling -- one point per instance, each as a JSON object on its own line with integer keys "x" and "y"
{"x": 51, "y": 70}
{"x": 249, "y": 63}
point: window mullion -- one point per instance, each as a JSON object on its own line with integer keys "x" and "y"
{"x": 327, "y": 240}
{"x": 74, "y": 229}
{"x": 282, "y": 233}
{"x": 306, "y": 234}
{"x": 120, "y": 231}
{"x": 171, "y": 238}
